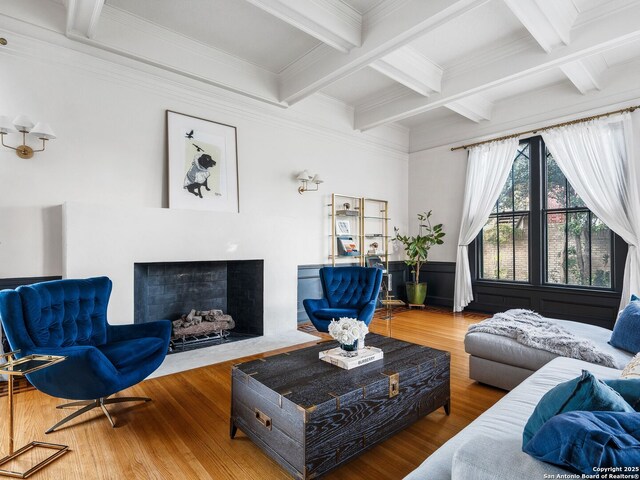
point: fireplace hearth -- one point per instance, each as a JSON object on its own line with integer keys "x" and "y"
{"x": 224, "y": 300}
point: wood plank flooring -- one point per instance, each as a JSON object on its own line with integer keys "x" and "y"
{"x": 184, "y": 432}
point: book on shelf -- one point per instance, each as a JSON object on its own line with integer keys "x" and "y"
{"x": 347, "y": 246}
{"x": 366, "y": 355}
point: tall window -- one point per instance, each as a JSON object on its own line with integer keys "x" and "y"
{"x": 548, "y": 224}
{"x": 505, "y": 237}
{"x": 578, "y": 244}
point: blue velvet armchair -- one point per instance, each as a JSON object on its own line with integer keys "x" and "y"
{"x": 69, "y": 317}
{"x": 348, "y": 292}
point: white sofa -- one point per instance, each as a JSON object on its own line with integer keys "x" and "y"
{"x": 490, "y": 447}
{"x": 504, "y": 363}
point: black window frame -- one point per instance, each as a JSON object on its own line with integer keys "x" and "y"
{"x": 567, "y": 210}
{"x": 512, "y": 214}
{"x": 537, "y": 251}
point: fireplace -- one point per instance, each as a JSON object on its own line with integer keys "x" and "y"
{"x": 171, "y": 290}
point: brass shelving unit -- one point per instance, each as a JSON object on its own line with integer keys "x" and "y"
{"x": 346, "y": 223}
{"x": 365, "y": 222}
{"x": 368, "y": 225}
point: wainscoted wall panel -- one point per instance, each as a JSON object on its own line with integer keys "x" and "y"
{"x": 440, "y": 278}
{"x": 592, "y": 307}
{"x": 17, "y": 282}
{"x": 587, "y": 306}
{"x": 438, "y": 275}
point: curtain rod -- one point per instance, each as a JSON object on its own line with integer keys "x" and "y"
{"x": 572, "y": 122}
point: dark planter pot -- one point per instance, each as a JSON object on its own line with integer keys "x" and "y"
{"x": 416, "y": 294}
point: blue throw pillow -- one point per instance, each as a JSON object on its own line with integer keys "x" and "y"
{"x": 584, "y": 442}
{"x": 628, "y": 388}
{"x": 626, "y": 331}
{"x": 585, "y": 392}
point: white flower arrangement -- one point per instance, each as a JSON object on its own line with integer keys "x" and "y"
{"x": 348, "y": 330}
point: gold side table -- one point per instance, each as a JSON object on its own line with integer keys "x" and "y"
{"x": 22, "y": 367}
{"x": 388, "y": 303}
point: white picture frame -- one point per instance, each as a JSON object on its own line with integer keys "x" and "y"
{"x": 343, "y": 227}
{"x": 203, "y": 164}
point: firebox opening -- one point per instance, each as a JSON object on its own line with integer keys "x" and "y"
{"x": 209, "y": 302}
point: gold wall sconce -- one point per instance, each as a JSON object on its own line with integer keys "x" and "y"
{"x": 306, "y": 179}
{"x": 23, "y": 124}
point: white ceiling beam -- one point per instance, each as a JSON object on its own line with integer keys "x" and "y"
{"x": 475, "y": 108}
{"x": 617, "y": 29}
{"x": 330, "y": 21}
{"x": 412, "y": 69}
{"x": 548, "y": 21}
{"x": 543, "y": 107}
{"x": 83, "y": 16}
{"x": 586, "y": 74}
{"x": 142, "y": 41}
{"x": 385, "y": 29}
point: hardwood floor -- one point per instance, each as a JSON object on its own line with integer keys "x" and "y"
{"x": 184, "y": 432}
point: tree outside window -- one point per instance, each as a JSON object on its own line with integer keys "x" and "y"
{"x": 574, "y": 245}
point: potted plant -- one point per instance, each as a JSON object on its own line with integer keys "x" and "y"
{"x": 417, "y": 249}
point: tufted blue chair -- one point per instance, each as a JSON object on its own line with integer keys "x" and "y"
{"x": 348, "y": 292}
{"x": 69, "y": 318}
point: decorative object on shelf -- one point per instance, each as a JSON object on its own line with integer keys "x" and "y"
{"x": 305, "y": 177}
{"x": 417, "y": 250}
{"x": 21, "y": 367}
{"x": 348, "y": 247}
{"x": 376, "y": 262}
{"x": 203, "y": 164}
{"x": 343, "y": 227}
{"x": 23, "y": 124}
{"x": 373, "y": 248}
{"x": 347, "y": 211}
{"x": 348, "y": 332}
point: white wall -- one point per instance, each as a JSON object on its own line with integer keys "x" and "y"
{"x": 436, "y": 182}
{"x": 110, "y": 151}
{"x": 121, "y": 236}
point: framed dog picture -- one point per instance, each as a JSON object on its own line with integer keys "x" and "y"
{"x": 203, "y": 164}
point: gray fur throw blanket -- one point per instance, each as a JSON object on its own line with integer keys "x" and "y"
{"x": 533, "y": 330}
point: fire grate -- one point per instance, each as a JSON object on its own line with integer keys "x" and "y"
{"x": 192, "y": 342}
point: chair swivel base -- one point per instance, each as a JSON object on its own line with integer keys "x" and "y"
{"x": 91, "y": 404}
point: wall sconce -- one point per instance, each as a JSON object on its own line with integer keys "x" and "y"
{"x": 24, "y": 125}
{"x": 305, "y": 178}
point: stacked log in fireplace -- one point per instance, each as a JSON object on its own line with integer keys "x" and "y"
{"x": 201, "y": 325}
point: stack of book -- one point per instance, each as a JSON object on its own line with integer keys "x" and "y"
{"x": 366, "y": 355}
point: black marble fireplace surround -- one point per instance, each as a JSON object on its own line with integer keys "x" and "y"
{"x": 166, "y": 290}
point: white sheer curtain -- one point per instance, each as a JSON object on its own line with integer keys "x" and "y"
{"x": 598, "y": 160}
{"x": 487, "y": 171}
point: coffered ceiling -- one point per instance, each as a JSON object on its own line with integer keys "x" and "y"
{"x": 414, "y": 63}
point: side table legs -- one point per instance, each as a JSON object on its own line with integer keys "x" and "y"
{"x": 10, "y": 399}
{"x": 59, "y": 449}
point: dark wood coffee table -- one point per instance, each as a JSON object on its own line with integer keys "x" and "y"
{"x": 311, "y": 416}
